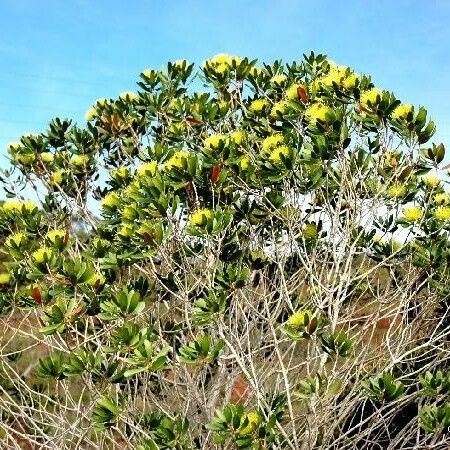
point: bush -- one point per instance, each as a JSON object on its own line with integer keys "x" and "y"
{"x": 241, "y": 257}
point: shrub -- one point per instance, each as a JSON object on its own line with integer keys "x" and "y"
{"x": 241, "y": 256}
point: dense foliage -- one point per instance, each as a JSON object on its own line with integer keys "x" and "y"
{"x": 244, "y": 256}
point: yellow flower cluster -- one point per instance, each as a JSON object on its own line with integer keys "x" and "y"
{"x": 25, "y": 158}
{"x": 431, "y": 180}
{"x": 238, "y": 136}
{"x": 252, "y": 420}
{"x": 130, "y": 212}
{"x": 90, "y": 114}
{"x": 222, "y": 63}
{"x": 129, "y": 96}
{"x": 412, "y": 213}
{"x": 244, "y": 162}
{"x": 336, "y": 74}
{"x": 111, "y": 200}
{"x": 441, "y": 198}
{"x": 201, "y": 216}
{"x": 310, "y": 231}
{"x": 278, "y": 152}
{"x": 59, "y": 177}
{"x": 402, "y": 111}
{"x": 126, "y": 231}
{"x": 146, "y": 169}
{"x": 292, "y": 91}
{"x": 54, "y": 235}
{"x": 177, "y": 160}
{"x": 350, "y": 81}
{"x": 319, "y": 111}
{"x": 298, "y": 319}
{"x": 96, "y": 280}
{"x": 16, "y": 240}
{"x": 214, "y": 141}
{"x": 120, "y": 173}
{"x": 279, "y": 79}
{"x": 281, "y": 107}
{"x": 47, "y": 157}
{"x": 5, "y": 278}
{"x": 79, "y": 160}
{"x": 271, "y": 142}
{"x": 14, "y": 147}
{"x": 371, "y": 97}
{"x": 259, "y": 105}
{"x": 19, "y": 206}
{"x": 42, "y": 255}
{"x": 396, "y": 191}
{"x": 442, "y": 213}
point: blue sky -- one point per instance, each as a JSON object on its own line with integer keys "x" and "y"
{"x": 57, "y": 57}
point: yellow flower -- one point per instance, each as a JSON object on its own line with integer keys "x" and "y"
{"x": 221, "y": 68}
{"x": 111, "y": 200}
{"x": 319, "y": 111}
{"x": 396, "y": 191}
{"x": 279, "y": 79}
{"x": 213, "y": 141}
{"x": 5, "y": 278}
{"x": 12, "y": 205}
{"x": 224, "y": 59}
{"x": 431, "y": 180}
{"x": 25, "y": 158}
{"x": 129, "y": 96}
{"x": 335, "y": 75}
{"x": 47, "y": 157}
{"x": 259, "y": 105}
{"x": 133, "y": 188}
{"x": 42, "y": 255}
{"x": 238, "y": 136}
{"x": 412, "y": 213}
{"x": 130, "y": 212}
{"x": 201, "y": 216}
{"x": 19, "y": 206}
{"x": 147, "y": 169}
{"x": 126, "y": 231}
{"x": 181, "y": 63}
{"x": 58, "y": 177}
{"x": 278, "y": 108}
{"x": 14, "y": 147}
{"x": 90, "y": 114}
{"x": 271, "y": 142}
{"x": 244, "y": 162}
{"x": 253, "y": 420}
{"x": 278, "y": 152}
{"x": 101, "y": 102}
{"x": 442, "y": 213}
{"x": 120, "y": 173}
{"x": 221, "y": 58}
{"x": 441, "y": 199}
{"x": 177, "y": 160}
{"x": 54, "y": 236}
{"x": 79, "y": 160}
{"x": 292, "y": 91}
{"x": 298, "y": 319}
{"x": 371, "y": 96}
{"x": 310, "y": 231}
{"x": 402, "y": 111}
{"x": 149, "y": 73}
{"x": 350, "y": 81}
{"x": 96, "y": 280}
{"x": 16, "y": 240}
